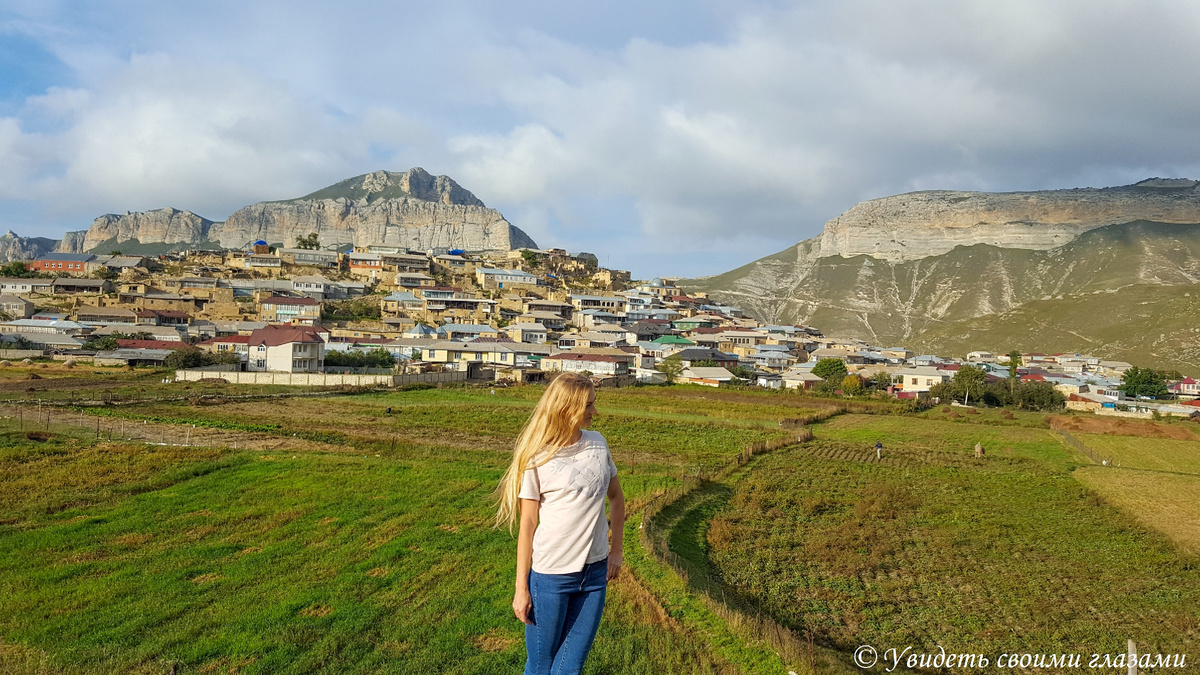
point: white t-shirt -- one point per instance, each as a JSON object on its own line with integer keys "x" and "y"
{"x": 572, "y": 529}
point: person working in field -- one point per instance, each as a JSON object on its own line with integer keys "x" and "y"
{"x": 555, "y": 487}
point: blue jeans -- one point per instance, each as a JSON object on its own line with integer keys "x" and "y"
{"x": 566, "y": 614}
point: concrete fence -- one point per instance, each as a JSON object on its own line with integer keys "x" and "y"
{"x": 318, "y": 379}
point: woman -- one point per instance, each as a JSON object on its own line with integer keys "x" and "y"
{"x": 555, "y": 488}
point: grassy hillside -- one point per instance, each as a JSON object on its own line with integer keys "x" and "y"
{"x": 1144, "y": 325}
{"x": 1137, "y": 276}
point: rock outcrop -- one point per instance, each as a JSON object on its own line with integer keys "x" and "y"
{"x": 72, "y": 242}
{"x": 921, "y": 224}
{"x": 412, "y": 209}
{"x": 167, "y": 226}
{"x": 14, "y": 247}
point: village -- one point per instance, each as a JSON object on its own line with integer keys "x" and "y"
{"x": 385, "y": 315}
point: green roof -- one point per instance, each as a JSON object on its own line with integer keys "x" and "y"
{"x": 673, "y": 340}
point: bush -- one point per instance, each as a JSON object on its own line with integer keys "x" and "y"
{"x": 378, "y": 358}
{"x": 852, "y": 385}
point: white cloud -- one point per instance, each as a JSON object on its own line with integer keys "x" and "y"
{"x": 738, "y": 144}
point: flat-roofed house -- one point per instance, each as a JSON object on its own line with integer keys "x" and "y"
{"x": 72, "y": 264}
{"x": 577, "y": 362}
{"x": 282, "y": 309}
{"x": 308, "y": 257}
{"x": 70, "y": 286}
{"x": 16, "y": 307}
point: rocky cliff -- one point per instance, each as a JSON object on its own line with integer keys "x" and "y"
{"x": 412, "y": 209}
{"x": 922, "y": 224}
{"x": 13, "y": 247}
{"x": 72, "y": 242}
{"x": 167, "y": 226}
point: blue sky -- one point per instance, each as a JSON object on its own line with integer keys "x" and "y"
{"x": 668, "y": 138}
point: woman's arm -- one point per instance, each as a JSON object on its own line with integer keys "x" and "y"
{"x": 616, "y": 528}
{"x": 522, "y": 603}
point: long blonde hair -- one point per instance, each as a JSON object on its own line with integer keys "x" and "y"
{"x": 551, "y": 427}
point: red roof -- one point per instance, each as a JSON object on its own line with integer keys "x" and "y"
{"x": 285, "y": 300}
{"x": 150, "y": 344}
{"x": 273, "y": 336}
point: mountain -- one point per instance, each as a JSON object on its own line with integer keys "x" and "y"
{"x": 413, "y": 209}
{"x": 14, "y": 247}
{"x": 1052, "y": 271}
{"x": 166, "y": 226}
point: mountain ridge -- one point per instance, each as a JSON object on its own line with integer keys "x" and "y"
{"x": 412, "y": 209}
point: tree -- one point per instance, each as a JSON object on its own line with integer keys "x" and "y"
{"x": 1014, "y": 362}
{"x": 531, "y": 258}
{"x": 312, "y": 242}
{"x": 831, "y": 370}
{"x": 882, "y": 380}
{"x": 672, "y": 367}
{"x": 1147, "y": 382}
{"x": 1039, "y": 396}
{"x": 105, "y": 343}
{"x": 969, "y": 381}
{"x": 190, "y": 357}
{"x": 743, "y": 372}
{"x": 852, "y": 385}
{"x": 16, "y": 269}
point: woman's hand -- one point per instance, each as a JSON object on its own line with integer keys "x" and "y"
{"x": 523, "y": 605}
{"x": 614, "y": 565}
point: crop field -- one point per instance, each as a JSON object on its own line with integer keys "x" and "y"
{"x": 935, "y": 434}
{"x": 983, "y": 558}
{"x": 1166, "y": 502}
{"x": 338, "y": 537}
{"x": 1155, "y": 454}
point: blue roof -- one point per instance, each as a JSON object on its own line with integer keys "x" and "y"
{"x": 260, "y": 242}
{"x": 467, "y": 328}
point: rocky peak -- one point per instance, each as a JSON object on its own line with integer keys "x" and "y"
{"x": 416, "y": 183}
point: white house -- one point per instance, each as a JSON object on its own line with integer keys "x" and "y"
{"x": 289, "y": 349}
{"x": 596, "y": 364}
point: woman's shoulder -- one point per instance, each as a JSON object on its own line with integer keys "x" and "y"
{"x": 594, "y": 437}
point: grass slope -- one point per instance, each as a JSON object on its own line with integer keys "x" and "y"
{"x": 361, "y": 543}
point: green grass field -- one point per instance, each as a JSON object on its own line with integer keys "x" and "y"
{"x": 346, "y": 540}
{"x": 325, "y": 534}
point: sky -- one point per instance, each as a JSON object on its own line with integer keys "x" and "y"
{"x": 668, "y": 138}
